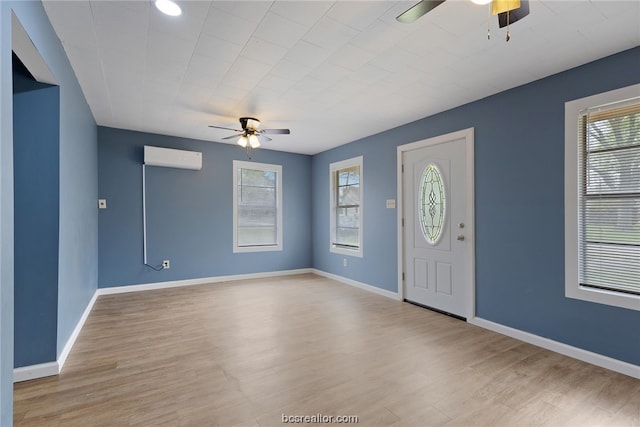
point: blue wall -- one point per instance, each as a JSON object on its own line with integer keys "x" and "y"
{"x": 78, "y": 216}
{"x": 6, "y": 218}
{"x": 36, "y": 129}
{"x": 519, "y": 179}
{"x": 189, "y": 213}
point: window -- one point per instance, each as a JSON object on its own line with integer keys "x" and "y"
{"x": 346, "y": 207}
{"x": 257, "y": 207}
{"x": 602, "y": 191}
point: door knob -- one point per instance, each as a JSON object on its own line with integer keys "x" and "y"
{"x": 461, "y": 237}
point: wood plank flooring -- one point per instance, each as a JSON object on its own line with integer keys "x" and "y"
{"x": 244, "y": 353}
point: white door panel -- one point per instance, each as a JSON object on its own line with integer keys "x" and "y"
{"x": 437, "y": 256}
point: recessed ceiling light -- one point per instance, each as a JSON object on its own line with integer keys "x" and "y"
{"x": 481, "y": 2}
{"x": 168, "y": 7}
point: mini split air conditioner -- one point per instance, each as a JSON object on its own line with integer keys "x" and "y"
{"x": 171, "y": 158}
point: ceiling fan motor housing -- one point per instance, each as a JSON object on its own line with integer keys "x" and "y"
{"x": 249, "y": 123}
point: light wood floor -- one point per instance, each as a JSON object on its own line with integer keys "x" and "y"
{"x": 244, "y": 353}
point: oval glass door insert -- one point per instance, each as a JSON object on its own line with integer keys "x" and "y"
{"x": 432, "y": 204}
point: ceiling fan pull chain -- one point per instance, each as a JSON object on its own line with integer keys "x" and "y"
{"x": 508, "y": 35}
{"x": 489, "y": 24}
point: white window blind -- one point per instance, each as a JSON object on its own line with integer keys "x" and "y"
{"x": 609, "y": 197}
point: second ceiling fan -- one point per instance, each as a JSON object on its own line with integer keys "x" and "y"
{"x": 508, "y": 11}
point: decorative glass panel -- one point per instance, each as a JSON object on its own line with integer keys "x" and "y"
{"x": 432, "y": 204}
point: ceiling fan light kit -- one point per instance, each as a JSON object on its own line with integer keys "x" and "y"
{"x": 254, "y": 142}
{"x": 508, "y": 11}
{"x": 500, "y": 6}
{"x": 243, "y": 141}
{"x": 249, "y": 136}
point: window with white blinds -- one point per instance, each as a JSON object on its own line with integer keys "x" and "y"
{"x": 346, "y": 207}
{"x": 609, "y": 197}
{"x": 257, "y": 207}
{"x": 602, "y": 198}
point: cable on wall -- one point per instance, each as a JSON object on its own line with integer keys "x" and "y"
{"x": 144, "y": 220}
{"x": 168, "y": 158}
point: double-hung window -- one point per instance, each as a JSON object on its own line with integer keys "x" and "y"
{"x": 346, "y": 207}
{"x": 257, "y": 207}
{"x": 602, "y": 230}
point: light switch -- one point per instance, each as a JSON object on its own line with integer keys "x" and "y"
{"x": 102, "y": 203}
{"x": 391, "y": 203}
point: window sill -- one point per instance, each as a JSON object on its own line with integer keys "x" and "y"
{"x": 603, "y": 296}
{"x": 346, "y": 251}
{"x": 246, "y": 249}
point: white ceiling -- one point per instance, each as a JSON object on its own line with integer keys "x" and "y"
{"x": 332, "y": 72}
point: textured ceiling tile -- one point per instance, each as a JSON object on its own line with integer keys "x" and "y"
{"x": 394, "y": 60}
{"x": 281, "y": 31}
{"x": 114, "y": 60}
{"x": 193, "y": 96}
{"x": 166, "y": 46}
{"x": 302, "y": 12}
{"x": 227, "y": 27}
{"x": 330, "y": 72}
{"x": 275, "y": 83}
{"x": 330, "y": 34}
{"x": 252, "y": 11}
{"x": 75, "y": 21}
{"x": 380, "y": 36}
{"x": 248, "y": 67}
{"x": 131, "y": 26}
{"x": 347, "y": 68}
{"x": 206, "y": 72}
{"x": 307, "y": 54}
{"x": 619, "y": 8}
{"x": 214, "y": 47}
{"x": 371, "y": 74}
{"x": 358, "y": 15}
{"x": 263, "y": 51}
{"x": 350, "y": 57}
{"x": 290, "y": 70}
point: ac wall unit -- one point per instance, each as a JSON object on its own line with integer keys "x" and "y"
{"x": 171, "y": 158}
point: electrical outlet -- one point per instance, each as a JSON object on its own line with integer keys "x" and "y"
{"x": 344, "y": 262}
{"x": 102, "y": 203}
{"x": 166, "y": 264}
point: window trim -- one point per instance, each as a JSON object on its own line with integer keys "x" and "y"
{"x": 573, "y": 289}
{"x": 333, "y": 168}
{"x": 238, "y": 164}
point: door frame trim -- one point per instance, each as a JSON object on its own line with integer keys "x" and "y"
{"x": 470, "y": 281}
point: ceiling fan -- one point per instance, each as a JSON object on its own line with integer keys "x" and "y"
{"x": 250, "y": 135}
{"x": 508, "y": 11}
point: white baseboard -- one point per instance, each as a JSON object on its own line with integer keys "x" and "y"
{"x": 558, "y": 347}
{"x": 201, "y": 281}
{"x": 48, "y": 369}
{"x": 62, "y": 357}
{"x": 32, "y": 372}
{"x": 359, "y": 285}
{"x": 54, "y": 368}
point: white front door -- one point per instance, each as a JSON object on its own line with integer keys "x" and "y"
{"x": 438, "y": 223}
